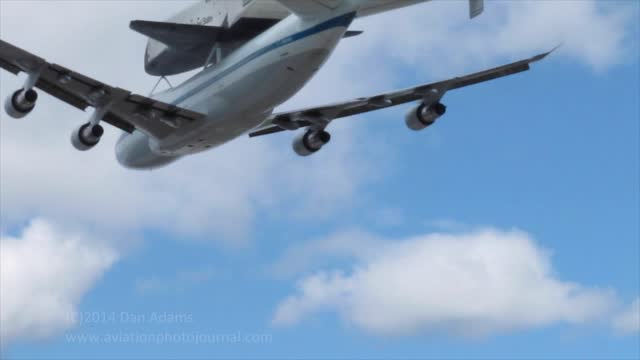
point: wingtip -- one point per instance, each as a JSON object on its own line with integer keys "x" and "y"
{"x": 556, "y": 48}
{"x": 544, "y": 55}
{"x": 135, "y": 24}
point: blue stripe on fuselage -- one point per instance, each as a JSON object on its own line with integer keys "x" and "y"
{"x": 340, "y": 21}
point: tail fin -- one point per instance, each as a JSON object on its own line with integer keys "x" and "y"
{"x": 476, "y": 7}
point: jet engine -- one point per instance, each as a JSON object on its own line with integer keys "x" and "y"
{"x": 423, "y": 115}
{"x": 20, "y": 103}
{"x": 86, "y": 136}
{"x": 310, "y": 142}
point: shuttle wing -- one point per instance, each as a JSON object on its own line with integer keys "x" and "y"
{"x": 124, "y": 110}
{"x": 186, "y": 36}
{"x": 321, "y": 116}
{"x": 177, "y": 35}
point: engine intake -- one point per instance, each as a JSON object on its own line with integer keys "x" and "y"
{"x": 20, "y": 103}
{"x": 423, "y": 116}
{"x": 86, "y": 136}
{"x": 310, "y": 142}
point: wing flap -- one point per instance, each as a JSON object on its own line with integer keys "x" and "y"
{"x": 67, "y": 97}
{"x": 14, "y": 59}
{"x": 124, "y": 110}
{"x": 9, "y": 67}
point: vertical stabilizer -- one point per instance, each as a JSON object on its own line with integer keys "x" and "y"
{"x": 476, "y": 7}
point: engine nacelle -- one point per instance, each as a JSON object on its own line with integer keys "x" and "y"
{"x": 86, "y": 136}
{"x": 310, "y": 142}
{"x": 20, "y": 103}
{"x": 423, "y": 116}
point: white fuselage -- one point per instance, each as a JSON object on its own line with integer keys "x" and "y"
{"x": 242, "y": 91}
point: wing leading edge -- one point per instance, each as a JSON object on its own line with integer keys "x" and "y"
{"x": 122, "y": 109}
{"x": 429, "y": 93}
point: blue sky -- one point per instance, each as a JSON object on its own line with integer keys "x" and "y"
{"x": 508, "y": 230}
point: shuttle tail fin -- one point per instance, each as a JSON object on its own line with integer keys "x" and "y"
{"x": 476, "y": 7}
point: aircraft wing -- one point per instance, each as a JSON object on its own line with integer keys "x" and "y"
{"x": 122, "y": 109}
{"x": 320, "y": 117}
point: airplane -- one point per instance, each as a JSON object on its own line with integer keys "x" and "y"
{"x": 254, "y": 55}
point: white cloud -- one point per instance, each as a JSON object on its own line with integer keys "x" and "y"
{"x": 43, "y": 275}
{"x": 590, "y": 31}
{"x": 628, "y": 321}
{"x": 348, "y": 245}
{"x": 437, "y": 38}
{"x": 474, "y": 284}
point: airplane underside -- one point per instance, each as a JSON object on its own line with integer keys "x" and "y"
{"x": 234, "y": 105}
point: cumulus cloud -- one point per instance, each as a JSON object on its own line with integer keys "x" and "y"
{"x": 472, "y": 284}
{"x": 439, "y": 38}
{"x": 628, "y": 321}
{"x": 348, "y": 245}
{"x": 43, "y": 275}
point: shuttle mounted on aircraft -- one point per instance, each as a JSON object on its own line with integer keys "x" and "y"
{"x": 254, "y": 55}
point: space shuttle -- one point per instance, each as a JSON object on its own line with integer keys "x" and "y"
{"x": 211, "y": 29}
